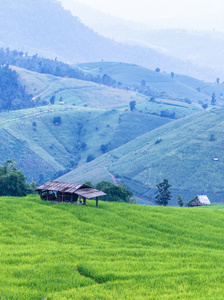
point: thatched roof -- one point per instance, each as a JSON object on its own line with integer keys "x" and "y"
{"x": 203, "y": 199}
{"x": 68, "y": 187}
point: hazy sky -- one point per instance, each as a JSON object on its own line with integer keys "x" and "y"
{"x": 198, "y": 14}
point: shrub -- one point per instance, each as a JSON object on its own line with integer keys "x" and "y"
{"x": 90, "y": 157}
{"x": 57, "y": 120}
{"x": 159, "y": 140}
{"x": 104, "y": 148}
{"x": 115, "y": 193}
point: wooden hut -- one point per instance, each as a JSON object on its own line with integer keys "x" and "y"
{"x": 68, "y": 192}
{"x": 199, "y": 200}
{"x": 203, "y": 199}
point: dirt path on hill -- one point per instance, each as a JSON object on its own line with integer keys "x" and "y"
{"x": 32, "y": 115}
{"x": 114, "y": 179}
{"x": 45, "y": 90}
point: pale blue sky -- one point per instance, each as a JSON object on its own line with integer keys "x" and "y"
{"x": 190, "y": 14}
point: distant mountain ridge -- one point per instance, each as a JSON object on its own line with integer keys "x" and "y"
{"x": 44, "y": 27}
{"x": 195, "y": 47}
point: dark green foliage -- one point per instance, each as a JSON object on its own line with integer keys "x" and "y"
{"x": 180, "y": 200}
{"x": 57, "y": 120}
{"x": 205, "y": 105}
{"x": 104, "y": 148}
{"x": 107, "y": 80}
{"x": 164, "y": 194}
{"x": 157, "y": 70}
{"x": 47, "y": 66}
{"x": 167, "y": 114}
{"x": 132, "y": 105}
{"x": 52, "y": 99}
{"x": 12, "y": 181}
{"x": 83, "y": 145}
{"x": 159, "y": 140}
{"x": 212, "y": 137}
{"x": 115, "y": 193}
{"x": 213, "y": 101}
{"x": 187, "y": 100}
{"x": 88, "y": 182}
{"x": 90, "y": 157}
{"x": 143, "y": 82}
{"x": 12, "y": 94}
{"x": 217, "y": 80}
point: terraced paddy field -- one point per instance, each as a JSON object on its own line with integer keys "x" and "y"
{"x": 114, "y": 251}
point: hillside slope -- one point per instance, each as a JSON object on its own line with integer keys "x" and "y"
{"x": 74, "y": 91}
{"x": 182, "y": 151}
{"x": 115, "y": 251}
{"x": 45, "y": 148}
{"x": 176, "y": 87}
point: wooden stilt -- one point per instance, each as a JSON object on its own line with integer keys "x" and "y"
{"x": 84, "y": 201}
{"x": 96, "y": 201}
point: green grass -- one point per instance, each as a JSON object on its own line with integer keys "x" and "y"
{"x": 178, "y": 87}
{"x": 185, "y": 156}
{"x": 48, "y": 148}
{"x": 115, "y": 251}
{"x": 74, "y": 91}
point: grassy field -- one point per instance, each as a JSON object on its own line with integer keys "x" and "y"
{"x": 39, "y": 146}
{"x": 115, "y": 251}
{"x": 182, "y": 151}
{"x": 75, "y": 92}
{"x": 179, "y": 86}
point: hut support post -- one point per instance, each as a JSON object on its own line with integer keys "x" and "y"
{"x": 84, "y": 201}
{"x": 96, "y": 201}
{"x": 47, "y": 195}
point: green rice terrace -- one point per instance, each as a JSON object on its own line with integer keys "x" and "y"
{"x": 115, "y": 251}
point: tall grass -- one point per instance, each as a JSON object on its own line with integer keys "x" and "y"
{"x": 115, "y": 251}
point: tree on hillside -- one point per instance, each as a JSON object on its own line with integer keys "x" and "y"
{"x": 132, "y": 105}
{"x": 115, "y": 193}
{"x": 180, "y": 201}
{"x": 13, "y": 182}
{"x": 213, "y": 101}
{"x": 52, "y": 99}
{"x": 164, "y": 194}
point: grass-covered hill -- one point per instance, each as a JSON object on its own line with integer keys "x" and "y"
{"x": 77, "y": 92}
{"x": 74, "y": 91}
{"x": 176, "y": 87}
{"x": 182, "y": 151}
{"x": 115, "y": 251}
{"x": 48, "y": 140}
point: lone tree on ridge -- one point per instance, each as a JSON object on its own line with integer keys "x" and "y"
{"x": 164, "y": 194}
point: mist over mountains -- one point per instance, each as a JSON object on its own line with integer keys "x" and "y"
{"x": 46, "y": 28}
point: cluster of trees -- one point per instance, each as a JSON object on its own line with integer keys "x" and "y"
{"x": 49, "y": 66}
{"x": 12, "y": 94}
{"x": 164, "y": 194}
{"x": 13, "y": 182}
{"x": 115, "y": 193}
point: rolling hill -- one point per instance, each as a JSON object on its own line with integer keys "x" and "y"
{"x": 178, "y": 87}
{"x": 115, "y": 251}
{"x": 74, "y": 91}
{"x": 91, "y": 115}
{"x": 44, "y": 148}
{"x": 188, "y": 152}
